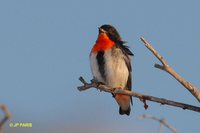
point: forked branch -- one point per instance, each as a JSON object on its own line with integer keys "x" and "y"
{"x": 191, "y": 88}
{"x": 161, "y": 121}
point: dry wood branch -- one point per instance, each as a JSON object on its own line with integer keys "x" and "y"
{"x": 6, "y": 117}
{"x": 162, "y": 122}
{"x": 142, "y": 97}
{"x": 195, "y": 92}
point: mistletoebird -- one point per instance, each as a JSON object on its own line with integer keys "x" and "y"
{"x": 110, "y": 61}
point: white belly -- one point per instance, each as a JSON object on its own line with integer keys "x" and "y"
{"x": 116, "y": 71}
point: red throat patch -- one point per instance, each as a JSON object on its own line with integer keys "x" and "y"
{"x": 103, "y": 43}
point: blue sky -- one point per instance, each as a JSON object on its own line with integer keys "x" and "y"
{"x": 45, "y": 46}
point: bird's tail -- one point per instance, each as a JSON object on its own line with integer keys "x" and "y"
{"x": 124, "y": 104}
{"x": 127, "y": 111}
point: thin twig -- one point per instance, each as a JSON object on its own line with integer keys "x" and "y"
{"x": 142, "y": 97}
{"x": 191, "y": 88}
{"x": 7, "y": 116}
{"x": 162, "y": 122}
{"x": 160, "y": 129}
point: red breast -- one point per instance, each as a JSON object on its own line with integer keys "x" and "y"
{"x": 103, "y": 43}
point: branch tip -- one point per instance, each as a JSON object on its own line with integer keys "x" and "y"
{"x": 159, "y": 66}
{"x": 7, "y": 116}
{"x": 82, "y": 80}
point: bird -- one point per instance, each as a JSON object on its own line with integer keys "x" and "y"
{"x": 110, "y": 62}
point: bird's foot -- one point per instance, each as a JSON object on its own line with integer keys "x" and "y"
{"x": 115, "y": 90}
{"x": 97, "y": 82}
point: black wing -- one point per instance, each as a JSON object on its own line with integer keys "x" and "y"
{"x": 124, "y": 48}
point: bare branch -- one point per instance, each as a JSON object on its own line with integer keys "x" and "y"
{"x": 142, "y": 97}
{"x": 6, "y": 117}
{"x": 162, "y": 122}
{"x": 160, "y": 128}
{"x": 195, "y": 92}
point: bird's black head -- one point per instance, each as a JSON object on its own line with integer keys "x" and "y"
{"x": 111, "y": 32}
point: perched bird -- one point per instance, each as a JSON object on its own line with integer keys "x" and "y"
{"x": 111, "y": 64}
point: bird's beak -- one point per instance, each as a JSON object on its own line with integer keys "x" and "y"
{"x": 101, "y": 30}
